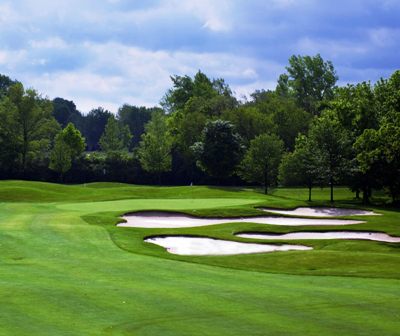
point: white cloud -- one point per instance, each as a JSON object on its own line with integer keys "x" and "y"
{"x": 11, "y": 60}
{"x": 331, "y": 48}
{"x": 114, "y": 73}
{"x": 49, "y": 43}
{"x": 384, "y": 37}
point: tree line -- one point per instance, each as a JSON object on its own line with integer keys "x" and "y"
{"x": 306, "y": 132}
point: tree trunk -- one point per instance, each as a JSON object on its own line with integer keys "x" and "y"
{"x": 331, "y": 183}
{"x": 366, "y": 192}
{"x": 309, "y": 192}
{"x": 266, "y": 179}
{"x": 358, "y": 193}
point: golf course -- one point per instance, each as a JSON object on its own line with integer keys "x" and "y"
{"x": 68, "y": 269}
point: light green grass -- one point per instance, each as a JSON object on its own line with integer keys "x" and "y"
{"x": 60, "y": 275}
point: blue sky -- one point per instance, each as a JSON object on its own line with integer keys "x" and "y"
{"x": 110, "y": 52}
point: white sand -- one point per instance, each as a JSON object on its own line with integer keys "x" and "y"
{"x": 171, "y": 220}
{"x": 207, "y": 246}
{"x": 382, "y": 237}
{"x": 322, "y": 212}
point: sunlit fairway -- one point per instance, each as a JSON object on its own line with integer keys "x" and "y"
{"x": 66, "y": 269}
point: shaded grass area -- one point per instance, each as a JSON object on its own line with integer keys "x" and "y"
{"x": 61, "y": 276}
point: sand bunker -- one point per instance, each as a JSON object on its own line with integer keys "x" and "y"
{"x": 206, "y": 246}
{"x": 322, "y": 212}
{"x": 382, "y": 237}
{"x": 174, "y": 220}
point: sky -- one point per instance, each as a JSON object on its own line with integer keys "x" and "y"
{"x": 111, "y": 52}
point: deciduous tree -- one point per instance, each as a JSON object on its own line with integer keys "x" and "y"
{"x": 155, "y": 147}
{"x": 261, "y": 161}
{"x": 116, "y": 136}
{"x": 311, "y": 80}
{"x": 219, "y": 150}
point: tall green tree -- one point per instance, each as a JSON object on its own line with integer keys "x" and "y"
{"x": 154, "y": 149}
{"x": 65, "y": 112}
{"x": 287, "y": 119}
{"x": 136, "y": 118}
{"x": 334, "y": 145}
{"x": 261, "y": 161}
{"x": 95, "y": 122}
{"x": 5, "y": 83}
{"x": 378, "y": 154}
{"x": 212, "y": 96}
{"x": 302, "y": 166}
{"x": 311, "y": 80}
{"x": 116, "y": 136}
{"x": 61, "y": 157}
{"x": 10, "y": 137}
{"x": 69, "y": 144}
{"x": 73, "y": 138}
{"x": 36, "y": 126}
{"x": 249, "y": 122}
{"x": 219, "y": 150}
{"x": 356, "y": 108}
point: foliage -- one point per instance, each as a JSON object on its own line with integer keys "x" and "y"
{"x": 310, "y": 80}
{"x": 35, "y": 125}
{"x": 261, "y": 161}
{"x": 116, "y": 136}
{"x": 5, "y": 83}
{"x": 95, "y": 123}
{"x": 219, "y": 150}
{"x": 68, "y": 145}
{"x": 64, "y": 111}
{"x": 249, "y": 122}
{"x": 302, "y": 166}
{"x": 214, "y": 94}
{"x": 73, "y": 139}
{"x": 340, "y": 127}
{"x": 61, "y": 156}
{"x": 154, "y": 150}
{"x": 10, "y": 137}
{"x": 136, "y": 118}
{"x": 379, "y": 151}
{"x": 334, "y": 146}
{"x": 286, "y": 118}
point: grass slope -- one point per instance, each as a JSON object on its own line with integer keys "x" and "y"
{"x": 62, "y": 276}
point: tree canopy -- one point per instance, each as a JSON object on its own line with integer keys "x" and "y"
{"x": 308, "y": 129}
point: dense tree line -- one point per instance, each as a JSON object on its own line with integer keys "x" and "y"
{"x": 306, "y": 132}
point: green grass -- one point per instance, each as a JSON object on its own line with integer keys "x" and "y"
{"x": 65, "y": 269}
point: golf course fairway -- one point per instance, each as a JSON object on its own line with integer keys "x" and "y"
{"x": 67, "y": 269}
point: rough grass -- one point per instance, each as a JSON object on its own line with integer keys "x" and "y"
{"x": 67, "y": 270}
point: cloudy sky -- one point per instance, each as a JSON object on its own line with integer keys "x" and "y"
{"x": 110, "y": 52}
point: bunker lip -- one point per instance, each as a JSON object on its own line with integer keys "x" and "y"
{"x": 322, "y": 235}
{"x": 206, "y": 246}
{"x": 160, "y": 219}
{"x": 321, "y": 212}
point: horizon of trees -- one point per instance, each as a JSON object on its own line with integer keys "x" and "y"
{"x": 306, "y": 132}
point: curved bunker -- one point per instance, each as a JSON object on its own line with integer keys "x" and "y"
{"x": 202, "y": 246}
{"x": 376, "y": 236}
{"x": 322, "y": 212}
{"x": 159, "y": 219}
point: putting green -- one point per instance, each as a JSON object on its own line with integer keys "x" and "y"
{"x": 63, "y": 276}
